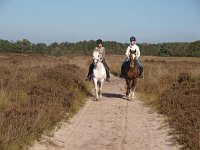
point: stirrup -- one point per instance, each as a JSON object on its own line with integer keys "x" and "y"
{"x": 88, "y": 79}
{"x": 141, "y": 76}
{"x": 108, "y": 79}
{"x": 121, "y": 76}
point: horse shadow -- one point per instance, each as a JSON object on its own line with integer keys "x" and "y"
{"x": 114, "y": 95}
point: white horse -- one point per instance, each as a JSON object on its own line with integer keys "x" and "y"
{"x": 99, "y": 74}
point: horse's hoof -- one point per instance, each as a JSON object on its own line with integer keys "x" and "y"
{"x": 132, "y": 98}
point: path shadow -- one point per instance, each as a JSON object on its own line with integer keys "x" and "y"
{"x": 113, "y": 95}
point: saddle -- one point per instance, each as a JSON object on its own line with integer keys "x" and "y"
{"x": 127, "y": 65}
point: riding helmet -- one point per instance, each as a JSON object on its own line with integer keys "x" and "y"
{"x": 132, "y": 38}
{"x": 99, "y": 41}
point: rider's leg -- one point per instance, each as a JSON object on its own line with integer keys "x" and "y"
{"x": 105, "y": 65}
{"x": 107, "y": 71}
{"x": 108, "y": 75}
{"x": 122, "y": 69}
{"x": 140, "y": 65}
{"x": 89, "y": 76}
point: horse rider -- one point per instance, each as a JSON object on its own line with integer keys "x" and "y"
{"x": 132, "y": 47}
{"x": 101, "y": 51}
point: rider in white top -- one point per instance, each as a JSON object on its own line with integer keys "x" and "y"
{"x": 132, "y": 47}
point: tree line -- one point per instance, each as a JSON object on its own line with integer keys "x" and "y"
{"x": 112, "y": 47}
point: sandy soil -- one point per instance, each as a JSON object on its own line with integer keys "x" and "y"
{"x": 113, "y": 123}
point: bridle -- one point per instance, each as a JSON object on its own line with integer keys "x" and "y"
{"x": 97, "y": 60}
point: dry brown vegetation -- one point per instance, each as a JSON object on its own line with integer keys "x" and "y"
{"x": 181, "y": 110}
{"x": 171, "y": 86}
{"x": 181, "y": 103}
{"x": 36, "y": 92}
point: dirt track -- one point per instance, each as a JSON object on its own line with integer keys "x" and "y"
{"x": 111, "y": 124}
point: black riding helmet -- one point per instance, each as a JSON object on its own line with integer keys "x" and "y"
{"x": 132, "y": 38}
{"x": 99, "y": 41}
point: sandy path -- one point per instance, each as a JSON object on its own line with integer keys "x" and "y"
{"x": 111, "y": 124}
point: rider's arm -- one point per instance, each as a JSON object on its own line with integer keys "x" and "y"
{"x": 103, "y": 54}
{"x": 137, "y": 52}
{"x": 127, "y": 52}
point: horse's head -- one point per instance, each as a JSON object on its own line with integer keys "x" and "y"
{"x": 96, "y": 57}
{"x": 132, "y": 58}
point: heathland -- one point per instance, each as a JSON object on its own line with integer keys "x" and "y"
{"x": 38, "y": 91}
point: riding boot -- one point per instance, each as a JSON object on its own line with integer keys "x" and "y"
{"x": 107, "y": 71}
{"x": 122, "y": 72}
{"x": 89, "y": 76}
{"x": 107, "y": 75}
{"x": 122, "y": 69}
{"x": 141, "y": 72}
{"x": 140, "y": 66}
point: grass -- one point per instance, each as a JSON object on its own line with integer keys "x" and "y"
{"x": 159, "y": 73}
{"x": 37, "y": 91}
{"x": 179, "y": 101}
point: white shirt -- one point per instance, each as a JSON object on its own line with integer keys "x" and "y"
{"x": 133, "y": 48}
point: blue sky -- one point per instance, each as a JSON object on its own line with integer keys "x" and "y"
{"x": 151, "y": 21}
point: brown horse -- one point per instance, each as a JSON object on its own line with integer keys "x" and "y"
{"x": 131, "y": 75}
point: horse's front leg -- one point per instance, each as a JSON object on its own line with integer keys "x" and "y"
{"x": 133, "y": 87}
{"x": 100, "y": 88}
{"x": 96, "y": 89}
{"x": 128, "y": 87}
